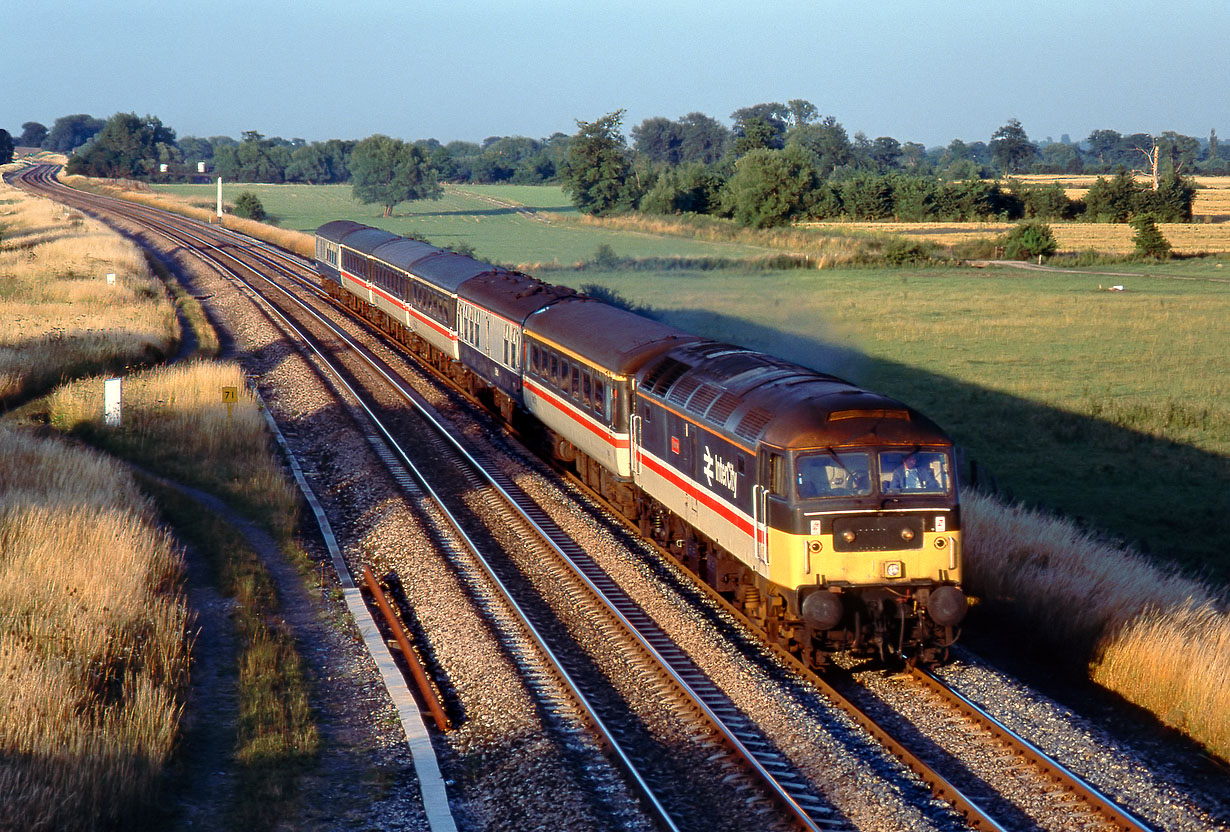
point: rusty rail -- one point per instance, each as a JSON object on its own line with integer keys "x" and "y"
{"x": 424, "y": 685}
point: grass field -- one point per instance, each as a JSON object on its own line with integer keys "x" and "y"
{"x": 479, "y": 216}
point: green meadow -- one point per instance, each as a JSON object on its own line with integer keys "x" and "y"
{"x": 1111, "y": 407}
{"x": 476, "y": 215}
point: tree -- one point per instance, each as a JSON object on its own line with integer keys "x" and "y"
{"x": 688, "y": 188}
{"x": 1104, "y": 144}
{"x": 127, "y": 146}
{"x": 827, "y": 142}
{"x": 801, "y": 112}
{"x": 597, "y": 173}
{"x": 32, "y": 134}
{"x": 70, "y": 132}
{"x": 702, "y": 139}
{"x": 1011, "y": 148}
{"x": 660, "y": 139}
{"x": 1148, "y": 239}
{"x": 1212, "y": 145}
{"x": 6, "y": 147}
{"x": 308, "y": 164}
{"x": 387, "y": 171}
{"x": 248, "y": 205}
{"x": 885, "y": 151}
{"x": 771, "y": 187}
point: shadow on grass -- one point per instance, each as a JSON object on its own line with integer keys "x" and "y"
{"x": 1168, "y": 499}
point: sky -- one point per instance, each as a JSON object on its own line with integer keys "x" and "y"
{"x": 927, "y": 72}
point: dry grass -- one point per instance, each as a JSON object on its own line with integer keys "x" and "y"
{"x": 1158, "y": 639}
{"x": 1209, "y": 233}
{"x": 174, "y": 421}
{"x": 1105, "y": 237}
{"x": 92, "y": 640}
{"x": 1175, "y": 662}
{"x": 58, "y": 315}
{"x": 298, "y": 242}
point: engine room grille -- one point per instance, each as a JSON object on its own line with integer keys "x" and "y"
{"x": 751, "y": 425}
{"x": 661, "y": 377}
{"x": 702, "y": 398}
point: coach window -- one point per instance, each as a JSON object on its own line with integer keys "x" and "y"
{"x": 554, "y": 376}
{"x": 600, "y": 397}
{"x": 576, "y": 383}
{"x": 587, "y": 391}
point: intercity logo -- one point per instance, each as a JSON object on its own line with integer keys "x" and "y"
{"x": 723, "y": 471}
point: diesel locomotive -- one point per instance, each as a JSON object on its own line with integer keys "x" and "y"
{"x": 828, "y": 513}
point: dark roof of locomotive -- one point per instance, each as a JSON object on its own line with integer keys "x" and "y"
{"x": 606, "y": 335}
{"x": 750, "y": 396}
{"x": 335, "y": 230}
{"x": 512, "y": 295}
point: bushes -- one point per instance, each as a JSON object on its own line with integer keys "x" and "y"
{"x": 1148, "y": 239}
{"x": 1120, "y": 198}
{"x": 248, "y": 206}
{"x": 1029, "y": 239}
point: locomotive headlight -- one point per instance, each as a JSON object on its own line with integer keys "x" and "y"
{"x": 814, "y": 546}
{"x": 907, "y": 535}
{"x": 848, "y": 536}
{"x": 893, "y": 569}
{"x": 940, "y": 542}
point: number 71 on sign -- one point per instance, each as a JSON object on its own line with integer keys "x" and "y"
{"x": 230, "y": 395}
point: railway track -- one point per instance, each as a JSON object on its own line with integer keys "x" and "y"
{"x": 676, "y": 675}
{"x": 776, "y": 779}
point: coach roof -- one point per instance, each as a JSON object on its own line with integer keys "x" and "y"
{"x": 402, "y": 252}
{"x": 337, "y": 229}
{"x": 608, "y": 336}
{"x": 367, "y": 239}
{"x": 512, "y": 295}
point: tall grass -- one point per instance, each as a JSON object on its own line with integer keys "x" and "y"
{"x": 93, "y": 654}
{"x": 174, "y": 422}
{"x": 1155, "y": 637}
{"x": 58, "y": 315}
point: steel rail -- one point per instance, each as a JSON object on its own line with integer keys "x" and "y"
{"x": 608, "y": 738}
{"x": 1121, "y": 818}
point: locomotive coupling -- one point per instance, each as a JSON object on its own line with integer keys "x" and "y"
{"x": 947, "y": 606}
{"x": 822, "y": 610}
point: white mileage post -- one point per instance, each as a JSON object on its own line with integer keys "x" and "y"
{"x": 113, "y": 392}
{"x": 230, "y": 395}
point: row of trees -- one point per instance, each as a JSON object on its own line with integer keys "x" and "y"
{"x": 773, "y": 173}
{"x": 777, "y": 162}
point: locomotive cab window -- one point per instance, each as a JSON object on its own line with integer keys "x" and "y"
{"x": 914, "y": 472}
{"x": 832, "y": 474}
